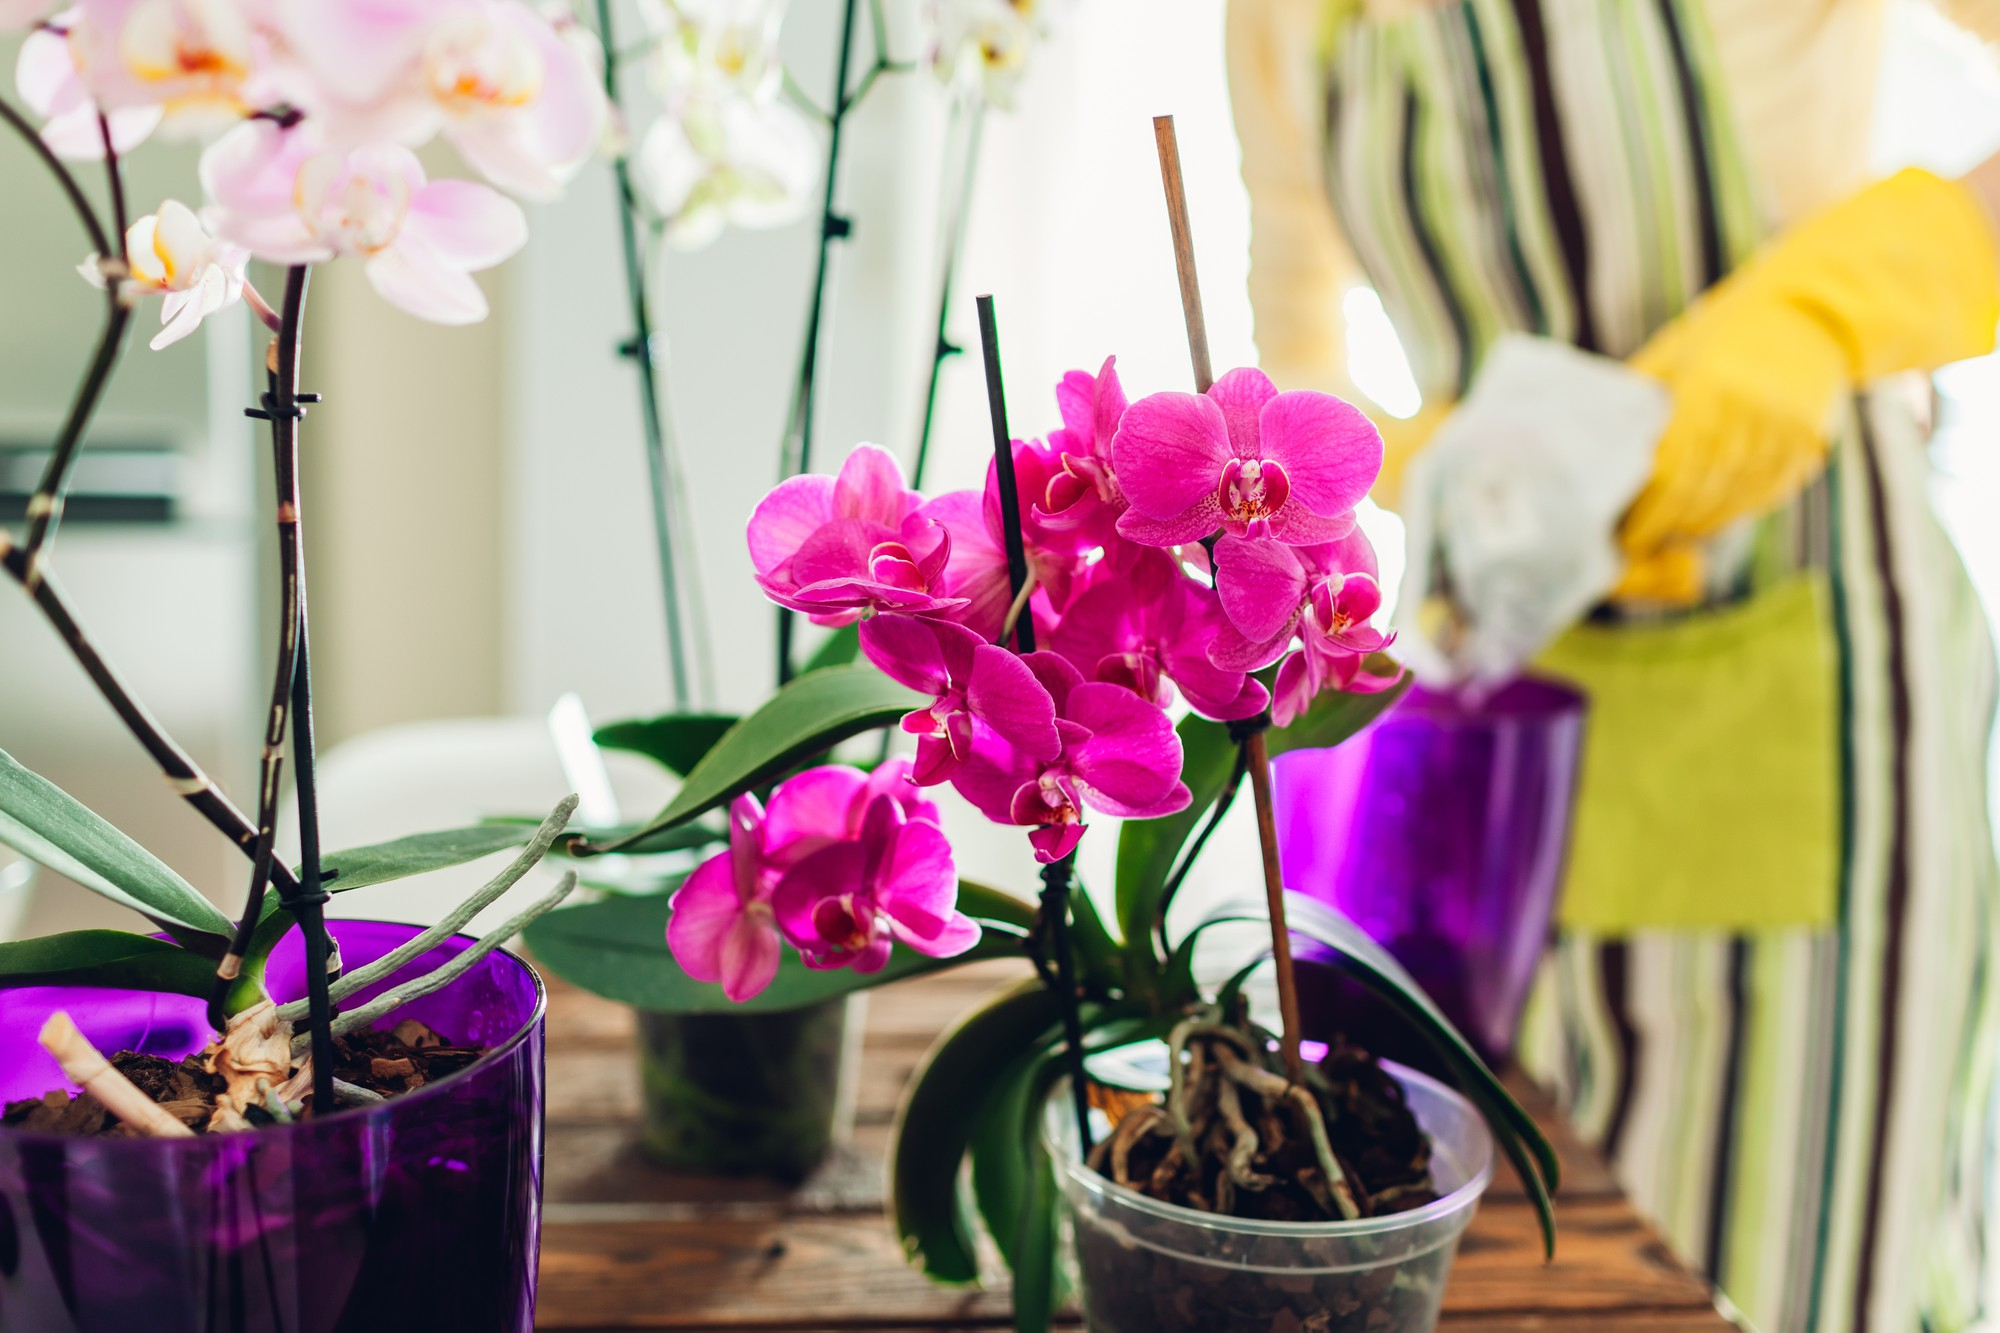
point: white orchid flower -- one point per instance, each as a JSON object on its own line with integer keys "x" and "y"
{"x": 984, "y": 44}
{"x": 728, "y": 161}
{"x": 171, "y": 254}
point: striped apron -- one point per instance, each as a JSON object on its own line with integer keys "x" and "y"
{"x": 1805, "y": 1109}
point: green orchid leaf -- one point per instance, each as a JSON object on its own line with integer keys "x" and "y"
{"x": 677, "y": 741}
{"x": 1360, "y": 957}
{"x": 1098, "y": 960}
{"x": 807, "y": 717}
{"x": 617, "y": 948}
{"x": 1038, "y": 1238}
{"x": 1336, "y": 716}
{"x": 667, "y": 840}
{"x": 50, "y": 827}
{"x": 951, "y": 1092}
{"x": 1148, "y": 848}
{"x": 421, "y": 853}
{"x": 837, "y": 649}
{"x": 106, "y": 958}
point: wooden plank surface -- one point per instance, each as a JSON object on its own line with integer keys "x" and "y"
{"x": 629, "y": 1246}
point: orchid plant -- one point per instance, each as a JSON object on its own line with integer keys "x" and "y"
{"x": 311, "y": 113}
{"x": 1182, "y": 553}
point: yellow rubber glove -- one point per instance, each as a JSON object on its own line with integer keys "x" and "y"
{"x": 1903, "y": 276}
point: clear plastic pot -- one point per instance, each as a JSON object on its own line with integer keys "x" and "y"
{"x": 1149, "y": 1267}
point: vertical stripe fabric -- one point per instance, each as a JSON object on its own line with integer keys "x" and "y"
{"x": 1804, "y": 1112}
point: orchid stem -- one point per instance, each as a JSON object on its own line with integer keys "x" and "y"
{"x": 795, "y": 452}
{"x": 1177, "y": 219}
{"x": 1223, "y": 802}
{"x": 1056, "y": 875}
{"x": 644, "y": 352}
{"x": 942, "y": 348}
{"x": 1255, "y": 755}
{"x": 45, "y": 507}
{"x": 291, "y": 708}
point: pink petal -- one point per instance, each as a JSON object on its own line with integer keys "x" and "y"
{"x": 1330, "y": 451}
{"x": 871, "y": 487}
{"x": 1052, "y": 842}
{"x": 1191, "y": 525}
{"x": 1132, "y": 761}
{"x": 830, "y": 872}
{"x": 977, "y": 567}
{"x": 1295, "y": 525}
{"x": 909, "y": 651}
{"x": 749, "y": 958}
{"x": 990, "y": 776}
{"x": 873, "y": 958}
{"x": 411, "y": 277}
{"x": 1169, "y": 452}
{"x": 1003, "y": 693}
{"x": 1295, "y": 690}
{"x": 705, "y": 907}
{"x": 947, "y": 938}
{"x": 812, "y": 809}
{"x": 891, "y": 778}
{"x": 466, "y": 224}
{"x": 837, "y": 551}
{"x": 786, "y": 518}
{"x": 1242, "y": 394}
{"x": 1232, "y": 652}
{"x": 918, "y": 883}
{"x": 1056, "y": 676}
{"x": 1260, "y": 585}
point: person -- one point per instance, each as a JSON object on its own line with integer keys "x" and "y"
{"x": 1771, "y": 997}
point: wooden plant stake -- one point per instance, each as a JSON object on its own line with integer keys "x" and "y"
{"x": 1255, "y": 752}
{"x": 1056, "y": 876}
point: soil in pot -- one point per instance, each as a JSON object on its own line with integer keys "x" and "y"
{"x": 384, "y": 1062}
{"x": 1239, "y": 1140}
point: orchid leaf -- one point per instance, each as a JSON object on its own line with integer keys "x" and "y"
{"x": 809, "y": 716}
{"x": 837, "y": 649}
{"x": 105, "y": 958}
{"x": 960, "y": 1079}
{"x": 617, "y": 948}
{"x": 677, "y": 741}
{"x": 50, "y": 827}
{"x": 1148, "y": 848}
{"x": 1367, "y": 962}
{"x": 421, "y": 853}
{"x": 1336, "y": 716}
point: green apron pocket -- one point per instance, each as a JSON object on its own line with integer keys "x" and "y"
{"x": 1710, "y": 791}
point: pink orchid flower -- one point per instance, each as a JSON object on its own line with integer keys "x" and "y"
{"x": 977, "y": 570}
{"x": 972, "y": 680}
{"x": 289, "y": 199}
{"x": 171, "y": 254}
{"x": 723, "y": 928}
{"x": 1119, "y": 755}
{"x": 1084, "y": 496}
{"x": 1246, "y": 459}
{"x": 840, "y": 547}
{"x": 848, "y": 904}
{"x": 52, "y": 86}
{"x": 518, "y": 95}
{"x": 1142, "y": 623}
{"x": 1323, "y": 596}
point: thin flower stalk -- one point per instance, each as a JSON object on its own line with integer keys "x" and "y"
{"x": 795, "y": 453}
{"x": 46, "y": 504}
{"x": 1055, "y": 875}
{"x": 643, "y": 351}
{"x": 942, "y": 348}
{"x": 1254, "y": 757}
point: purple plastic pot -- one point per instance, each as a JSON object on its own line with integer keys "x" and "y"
{"x": 1442, "y": 831}
{"x": 423, "y": 1212}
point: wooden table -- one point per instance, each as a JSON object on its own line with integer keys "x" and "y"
{"x": 629, "y": 1246}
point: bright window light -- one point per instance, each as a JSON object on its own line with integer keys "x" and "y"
{"x": 1375, "y": 360}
